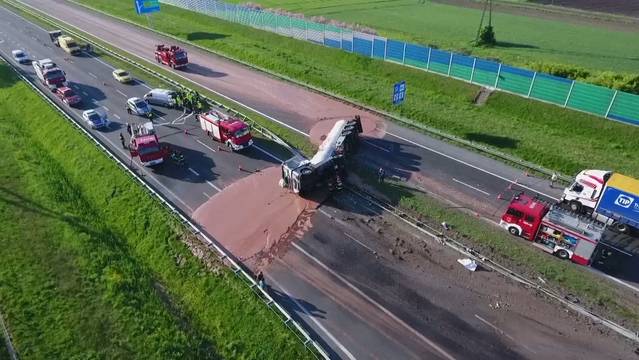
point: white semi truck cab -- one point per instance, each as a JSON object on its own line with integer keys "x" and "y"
{"x": 583, "y": 194}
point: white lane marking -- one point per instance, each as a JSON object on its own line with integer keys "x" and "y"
{"x": 432, "y": 344}
{"x": 361, "y": 243}
{"x": 469, "y": 165}
{"x": 376, "y": 146}
{"x": 502, "y": 332}
{"x": 85, "y": 93}
{"x": 205, "y": 194}
{"x": 206, "y": 146}
{"x": 106, "y": 108}
{"x": 194, "y": 172}
{"x": 314, "y": 320}
{"x": 470, "y": 186}
{"x": 92, "y": 74}
{"x": 103, "y": 63}
{"x": 267, "y": 153}
{"x": 117, "y": 116}
{"x": 121, "y": 93}
{"x": 213, "y": 186}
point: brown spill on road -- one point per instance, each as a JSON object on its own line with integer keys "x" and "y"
{"x": 255, "y": 219}
{"x": 372, "y": 127}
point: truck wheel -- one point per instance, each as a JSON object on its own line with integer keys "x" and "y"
{"x": 621, "y": 227}
{"x": 562, "y": 254}
{"x": 513, "y": 231}
{"x": 575, "y": 206}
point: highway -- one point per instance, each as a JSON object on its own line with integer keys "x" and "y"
{"x": 360, "y": 299}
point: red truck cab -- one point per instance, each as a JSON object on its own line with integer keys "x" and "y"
{"x": 523, "y": 216}
{"x": 231, "y": 131}
{"x": 148, "y": 149}
{"x": 172, "y": 56}
{"x": 68, "y": 96}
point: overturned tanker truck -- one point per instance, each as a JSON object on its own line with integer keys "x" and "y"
{"x": 327, "y": 166}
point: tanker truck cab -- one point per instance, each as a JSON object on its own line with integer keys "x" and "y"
{"x": 583, "y": 194}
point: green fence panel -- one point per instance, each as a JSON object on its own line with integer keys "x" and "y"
{"x": 550, "y": 88}
{"x": 515, "y": 80}
{"x": 462, "y": 67}
{"x": 590, "y": 98}
{"x": 625, "y": 108}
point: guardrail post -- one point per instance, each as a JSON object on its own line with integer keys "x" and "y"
{"x": 450, "y": 63}
{"x": 572, "y": 85}
{"x": 612, "y": 101}
{"x": 498, "y": 75}
{"x": 430, "y": 50}
{"x": 472, "y": 72}
{"x": 341, "y": 39}
{"x": 404, "y": 54}
{"x": 372, "y": 46}
{"x": 531, "y": 84}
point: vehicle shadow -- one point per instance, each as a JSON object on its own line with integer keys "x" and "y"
{"x": 88, "y": 93}
{"x": 172, "y": 169}
{"x": 201, "y": 35}
{"x": 396, "y": 159}
{"x": 202, "y": 70}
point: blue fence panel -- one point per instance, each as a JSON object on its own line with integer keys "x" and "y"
{"x": 347, "y": 45}
{"x": 332, "y": 43}
{"x": 439, "y": 61}
{"x": 362, "y": 46}
{"x": 416, "y": 55}
{"x": 379, "y": 48}
{"x": 462, "y": 66}
{"x": 485, "y": 72}
{"x": 394, "y": 50}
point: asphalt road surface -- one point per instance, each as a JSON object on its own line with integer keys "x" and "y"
{"x": 339, "y": 279}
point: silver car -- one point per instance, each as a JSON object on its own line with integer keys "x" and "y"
{"x": 137, "y": 106}
{"x": 20, "y": 56}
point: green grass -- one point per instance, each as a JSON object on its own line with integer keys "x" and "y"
{"x": 93, "y": 267}
{"x": 548, "y": 135}
{"x": 509, "y": 251}
{"x": 4, "y": 352}
{"x": 524, "y": 39}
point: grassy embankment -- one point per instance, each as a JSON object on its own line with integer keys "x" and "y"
{"x": 94, "y": 267}
{"x": 522, "y": 39}
{"x": 544, "y": 134}
{"x": 4, "y": 352}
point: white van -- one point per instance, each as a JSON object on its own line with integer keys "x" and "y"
{"x": 161, "y": 97}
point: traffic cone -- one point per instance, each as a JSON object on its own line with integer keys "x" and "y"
{"x": 510, "y": 186}
{"x": 240, "y": 167}
{"x": 186, "y": 131}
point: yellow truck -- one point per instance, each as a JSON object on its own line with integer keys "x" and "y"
{"x": 68, "y": 44}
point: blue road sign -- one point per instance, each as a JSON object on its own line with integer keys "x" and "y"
{"x": 399, "y": 92}
{"x": 147, "y": 6}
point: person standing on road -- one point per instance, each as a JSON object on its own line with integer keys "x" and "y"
{"x": 553, "y": 179}
{"x": 128, "y": 129}
{"x": 122, "y": 141}
{"x": 381, "y": 174}
{"x": 260, "y": 280}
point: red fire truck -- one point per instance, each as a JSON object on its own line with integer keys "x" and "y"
{"x": 172, "y": 56}
{"x": 231, "y": 131}
{"x": 553, "y": 229}
{"x": 145, "y": 145}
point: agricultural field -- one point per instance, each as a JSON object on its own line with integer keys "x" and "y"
{"x": 84, "y": 274}
{"x": 525, "y": 128}
{"x": 620, "y": 7}
{"x": 523, "y": 40}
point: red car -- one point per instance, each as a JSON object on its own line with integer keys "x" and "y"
{"x": 67, "y": 96}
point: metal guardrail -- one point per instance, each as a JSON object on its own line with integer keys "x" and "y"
{"x": 285, "y": 317}
{"x": 487, "y": 262}
{"x": 7, "y": 339}
{"x": 441, "y": 134}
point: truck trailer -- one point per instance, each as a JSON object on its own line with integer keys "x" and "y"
{"x": 558, "y": 231}
{"x": 327, "y": 166}
{"x": 609, "y": 197}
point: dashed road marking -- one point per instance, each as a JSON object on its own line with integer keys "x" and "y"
{"x": 361, "y": 243}
{"x": 376, "y": 146}
{"x": 92, "y": 74}
{"x": 206, "y": 146}
{"x": 121, "y": 93}
{"x": 213, "y": 186}
{"x": 470, "y": 186}
{"x": 194, "y": 172}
